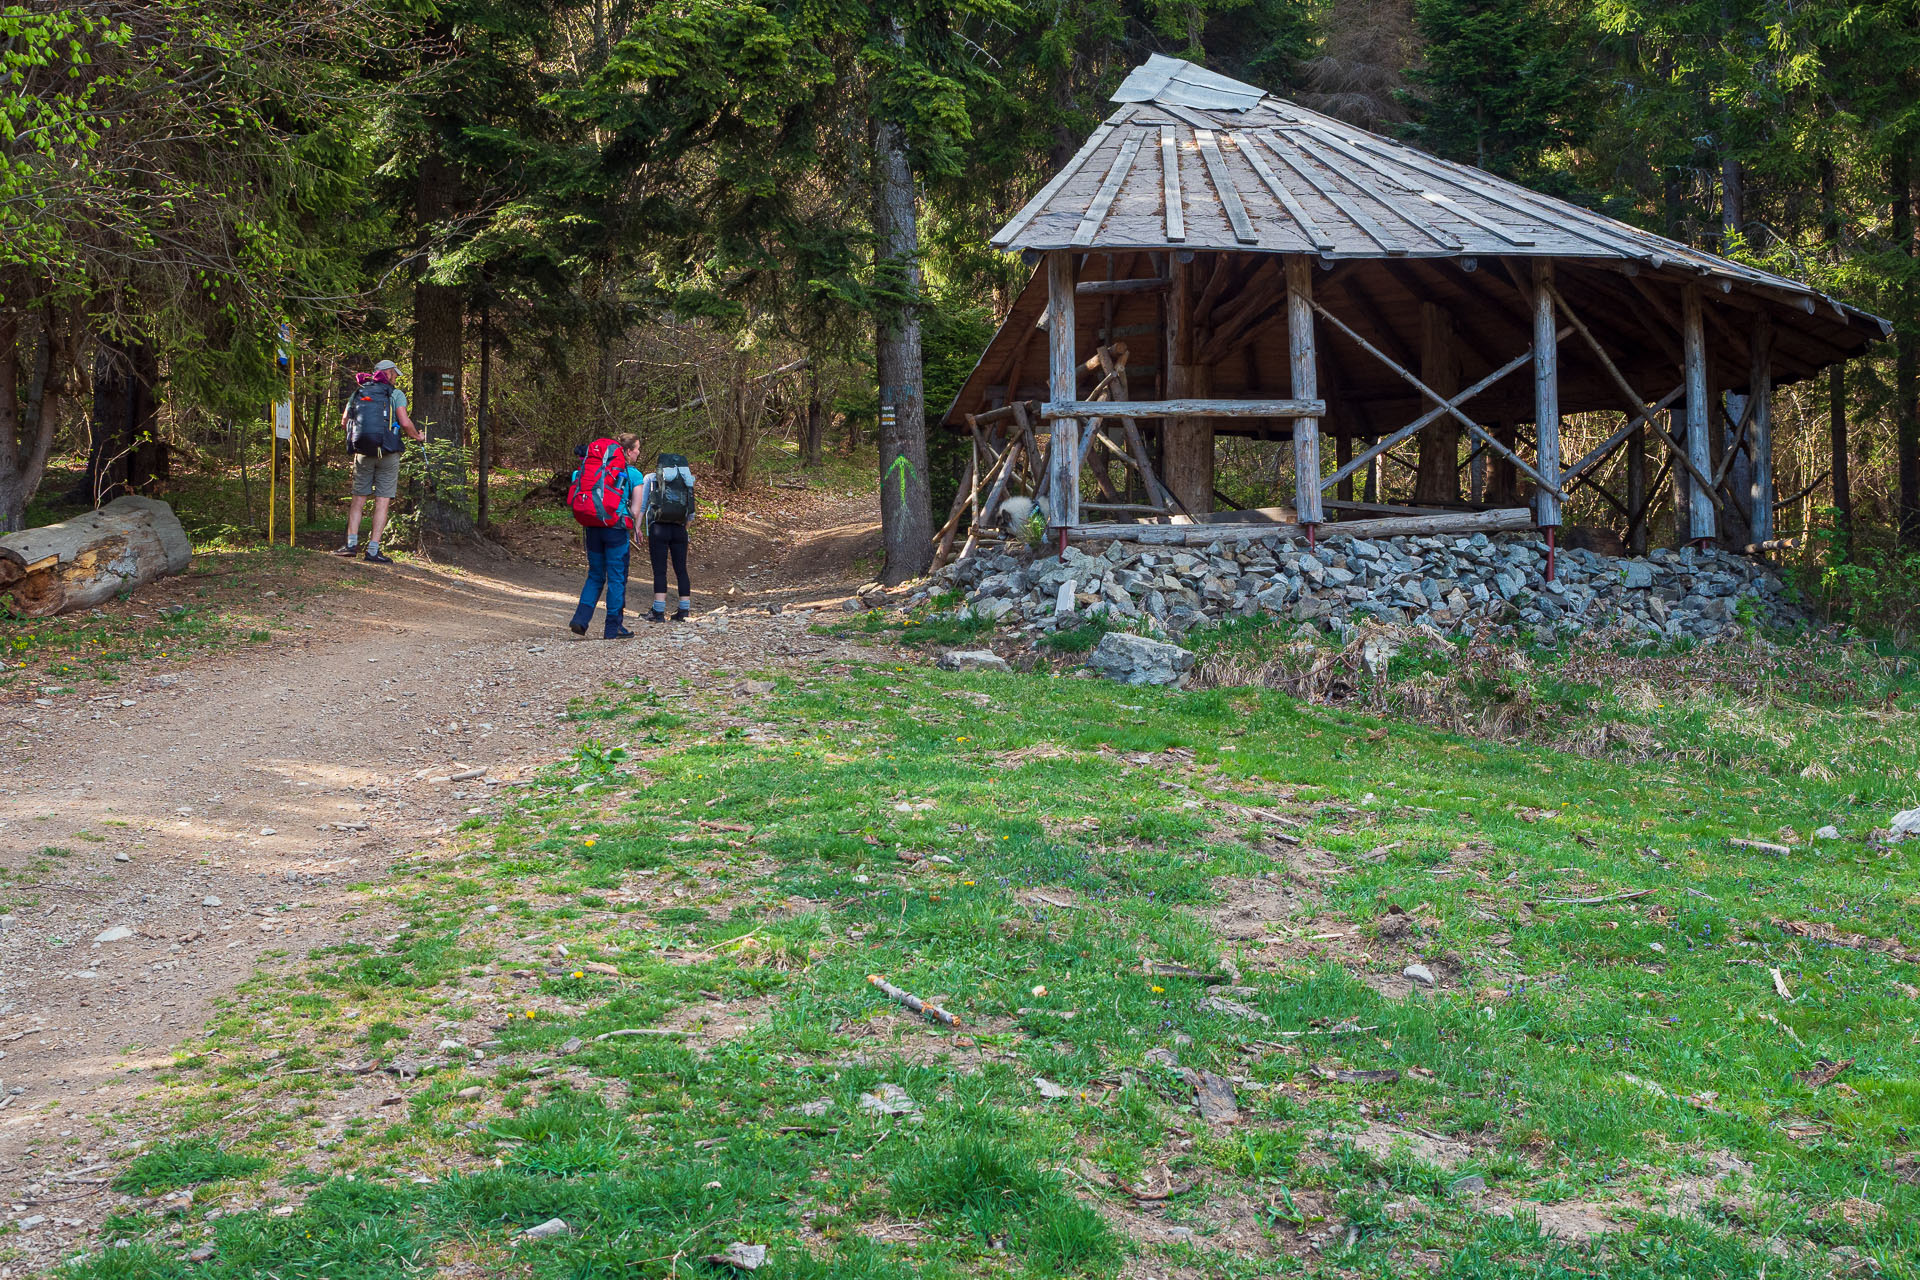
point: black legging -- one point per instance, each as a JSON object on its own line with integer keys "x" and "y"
{"x": 662, "y": 539}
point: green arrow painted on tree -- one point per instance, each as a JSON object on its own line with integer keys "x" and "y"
{"x": 905, "y": 469}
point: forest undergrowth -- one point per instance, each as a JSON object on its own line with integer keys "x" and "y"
{"x": 1246, "y": 984}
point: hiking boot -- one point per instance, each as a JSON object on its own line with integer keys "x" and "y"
{"x": 378, "y": 557}
{"x": 681, "y": 615}
{"x": 578, "y": 628}
{"x": 350, "y": 549}
{"x": 656, "y": 615}
{"x": 621, "y": 634}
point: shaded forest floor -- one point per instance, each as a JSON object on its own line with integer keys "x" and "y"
{"x": 1246, "y": 985}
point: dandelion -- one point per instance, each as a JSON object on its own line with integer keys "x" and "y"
{"x": 966, "y": 882}
{"x": 1159, "y": 991}
{"x": 579, "y": 973}
{"x": 591, "y": 842}
{"x": 529, "y": 1013}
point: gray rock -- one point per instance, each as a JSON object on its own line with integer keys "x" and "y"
{"x": 1419, "y": 973}
{"x": 1137, "y": 660}
{"x": 741, "y": 1257}
{"x": 119, "y": 933}
{"x": 972, "y": 660}
{"x": 547, "y": 1230}
{"x": 889, "y": 1100}
{"x": 1827, "y": 833}
{"x": 1905, "y": 824}
{"x": 1233, "y": 1009}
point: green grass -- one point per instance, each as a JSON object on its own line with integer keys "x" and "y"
{"x": 1615, "y": 1055}
{"x": 185, "y": 1163}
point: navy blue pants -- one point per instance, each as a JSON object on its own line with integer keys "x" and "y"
{"x": 606, "y": 567}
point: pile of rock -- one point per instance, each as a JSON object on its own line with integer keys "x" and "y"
{"x": 1451, "y": 583}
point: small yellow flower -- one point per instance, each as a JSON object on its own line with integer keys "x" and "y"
{"x": 1159, "y": 991}
{"x": 591, "y": 842}
{"x": 529, "y": 1013}
{"x": 579, "y": 974}
{"x": 966, "y": 882}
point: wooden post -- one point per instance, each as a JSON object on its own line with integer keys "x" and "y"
{"x": 1699, "y": 411}
{"x": 1546, "y": 397}
{"x": 1063, "y": 384}
{"x": 1637, "y": 492}
{"x": 1682, "y": 481}
{"x": 1306, "y": 386}
{"x": 1760, "y": 431}
{"x": 1186, "y": 444}
{"x": 1439, "y": 442}
{"x": 1342, "y": 455}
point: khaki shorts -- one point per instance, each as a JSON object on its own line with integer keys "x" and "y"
{"x": 376, "y": 475}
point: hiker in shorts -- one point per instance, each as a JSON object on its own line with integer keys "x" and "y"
{"x": 370, "y": 419}
{"x": 666, "y": 504}
{"x": 605, "y": 498}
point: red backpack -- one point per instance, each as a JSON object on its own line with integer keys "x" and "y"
{"x": 599, "y": 492}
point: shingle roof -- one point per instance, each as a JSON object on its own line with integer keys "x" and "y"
{"x": 1196, "y": 160}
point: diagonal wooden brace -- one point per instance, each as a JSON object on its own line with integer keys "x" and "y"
{"x": 1446, "y": 406}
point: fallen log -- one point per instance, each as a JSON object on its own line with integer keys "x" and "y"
{"x": 1505, "y": 520}
{"x": 92, "y": 558}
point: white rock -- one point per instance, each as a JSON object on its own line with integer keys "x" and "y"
{"x": 119, "y": 933}
{"x": 1827, "y": 833}
{"x": 123, "y": 856}
{"x": 1048, "y": 1089}
{"x": 1906, "y": 823}
{"x": 889, "y": 1100}
{"x": 548, "y": 1229}
{"x": 741, "y": 1256}
{"x": 1419, "y": 973}
{"x": 972, "y": 660}
{"x": 209, "y": 901}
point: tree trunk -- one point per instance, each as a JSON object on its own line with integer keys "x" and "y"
{"x": 26, "y": 429}
{"x": 1439, "y": 478}
{"x": 91, "y": 558}
{"x": 123, "y": 455}
{"x": 816, "y": 421}
{"x": 1836, "y": 374}
{"x": 439, "y": 332}
{"x": 905, "y": 519}
{"x": 1906, "y": 338}
{"x": 483, "y": 424}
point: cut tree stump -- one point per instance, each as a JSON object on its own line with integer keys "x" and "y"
{"x": 90, "y": 559}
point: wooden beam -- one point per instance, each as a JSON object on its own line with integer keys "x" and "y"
{"x": 1190, "y": 408}
{"x": 1152, "y": 284}
{"x": 1306, "y": 387}
{"x": 1546, "y": 397}
{"x": 1103, "y": 199}
{"x": 1387, "y": 442}
{"x": 1330, "y": 194}
{"x": 1637, "y": 503}
{"x": 1700, "y": 516}
{"x": 1063, "y": 383}
{"x": 1634, "y": 422}
{"x": 1316, "y": 236}
{"x": 1760, "y": 387}
{"x": 1313, "y": 148}
{"x": 1170, "y": 184}
{"x": 1434, "y": 396}
{"x": 1223, "y": 183}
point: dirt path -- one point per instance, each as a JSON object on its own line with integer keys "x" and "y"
{"x": 158, "y": 842}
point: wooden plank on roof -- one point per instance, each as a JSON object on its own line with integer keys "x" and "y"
{"x": 1038, "y": 205}
{"x": 1312, "y": 147}
{"x": 1170, "y": 184}
{"x": 1103, "y": 201}
{"x": 1223, "y": 183}
{"x": 1331, "y": 195}
{"x": 1316, "y": 236}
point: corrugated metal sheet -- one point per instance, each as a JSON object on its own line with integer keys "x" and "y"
{"x": 1196, "y": 160}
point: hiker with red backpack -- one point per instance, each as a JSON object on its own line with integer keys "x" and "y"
{"x": 604, "y": 498}
{"x": 372, "y": 419}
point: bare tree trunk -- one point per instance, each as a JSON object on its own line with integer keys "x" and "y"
{"x": 816, "y": 420}
{"x": 1836, "y": 374}
{"x": 1906, "y": 359}
{"x": 122, "y": 456}
{"x": 1439, "y": 478}
{"x": 439, "y": 332}
{"x": 906, "y": 522}
{"x": 483, "y": 424}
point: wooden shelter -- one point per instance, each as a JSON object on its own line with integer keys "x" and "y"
{"x": 1244, "y": 266}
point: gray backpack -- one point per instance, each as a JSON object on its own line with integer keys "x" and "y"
{"x": 370, "y": 426}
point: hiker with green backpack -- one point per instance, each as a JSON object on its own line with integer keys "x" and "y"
{"x": 666, "y": 504}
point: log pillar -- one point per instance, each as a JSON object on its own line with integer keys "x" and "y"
{"x": 1699, "y": 411}
{"x": 1682, "y": 480}
{"x": 1546, "y": 395}
{"x": 1063, "y": 385}
{"x": 1637, "y": 492}
{"x": 1439, "y": 477}
{"x": 1306, "y": 386}
{"x": 1186, "y": 444}
{"x": 1760, "y": 432}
